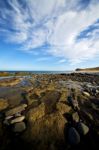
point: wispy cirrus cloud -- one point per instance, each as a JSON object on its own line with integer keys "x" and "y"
{"x": 70, "y": 28}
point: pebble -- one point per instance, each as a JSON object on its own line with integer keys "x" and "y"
{"x": 86, "y": 94}
{"x": 8, "y": 117}
{"x": 18, "y": 119}
{"x": 75, "y": 117}
{"x": 19, "y": 127}
{"x": 82, "y": 128}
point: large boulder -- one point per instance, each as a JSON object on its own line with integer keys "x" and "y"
{"x": 15, "y": 110}
{"x": 3, "y": 104}
{"x": 46, "y": 130}
{"x": 63, "y": 108}
{"x": 73, "y": 136}
{"x": 19, "y": 127}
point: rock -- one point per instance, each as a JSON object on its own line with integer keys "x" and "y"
{"x": 3, "y": 104}
{"x": 36, "y": 113}
{"x": 73, "y": 136}
{"x": 75, "y": 104}
{"x": 82, "y": 128}
{"x": 18, "y": 119}
{"x": 15, "y": 110}
{"x": 50, "y": 100}
{"x": 6, "y": 122}
{"x": 75, "y": 117}
{"x": 19, "y": 127}
{"x": 48, "y": 129}
{"x": 63, "y": 108}
{"x": 69, "y": 99}
{"x": 86, "y": 94}
{"x": 8, "y": 117}
{"x": 17, "y": 114}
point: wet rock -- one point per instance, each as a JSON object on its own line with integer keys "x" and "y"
{"x": 17, "y": 114}
{"x": 8, "y": 117}
{"x": 75, "y": 117}
{"x": 94, "y": 106}
{"x": 3, "y": 104}
{"x": 15, "y": 110}
{"x": 73, "y": 136}
{"x": 83, "y": 129}
{"x": 63, "y": 108}
{"x": 19, "y": 127}
{"x": 50, "y": 100}
{"x": 6, "y": 122}
{"x": 36, "y": 113}
{"x": 86, "y": 94}
{"x": 69, "y": 99}
{"x": 75, "y": 104}
{"x": 18, "y": 119}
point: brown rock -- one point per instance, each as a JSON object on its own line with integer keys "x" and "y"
{"x": 36, "y": 113}
{"x": 19, "y": 127}
{"x": 3, "y": 104}
{"x": 47, "y": 129}
{"x": 16, "y": 110}
{"x": 63, "y": 108}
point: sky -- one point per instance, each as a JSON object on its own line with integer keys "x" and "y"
{"x": 54, "y": 35}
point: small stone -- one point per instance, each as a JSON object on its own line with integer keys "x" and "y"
{"x": 17, "y": 114}
{"x": 15, "y": 110}
{"x": 18, "y": 119}
{"x": 75, "y": 117}
{"x": 86, "y": 94}
{"x": 73, "y": 136}
{"x": 75, "y": 104}
{"x": 83, "y": 129}
{"x": 8, "y": 117}
{"x": 6, "y": 122}
{"x": 19, "y": 127}
{"x": 69, "y": 99}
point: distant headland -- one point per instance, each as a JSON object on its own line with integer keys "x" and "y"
{"x": 95, "y": 69}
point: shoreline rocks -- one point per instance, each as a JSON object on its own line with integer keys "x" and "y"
{"x": 15, "y": 110}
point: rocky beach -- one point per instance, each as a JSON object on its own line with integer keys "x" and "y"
{"x": 49, "y": 112}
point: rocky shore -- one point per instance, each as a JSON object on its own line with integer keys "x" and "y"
{"x": 50, "y": 112}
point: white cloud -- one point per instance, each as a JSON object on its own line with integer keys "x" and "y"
{"x": 62, "y": 61}
{"x": 56, "y": 22}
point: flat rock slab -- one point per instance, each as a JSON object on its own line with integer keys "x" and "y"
{"x": 15, "y": 110}
{"x": 18, "y": 119}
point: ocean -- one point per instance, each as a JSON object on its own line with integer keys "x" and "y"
{"x": 40, "y": 72}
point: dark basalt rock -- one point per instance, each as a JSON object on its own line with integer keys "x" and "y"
{"x": 73, "y": 136}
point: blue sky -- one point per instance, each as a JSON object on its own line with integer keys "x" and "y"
{"x": 49, "y": 35}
